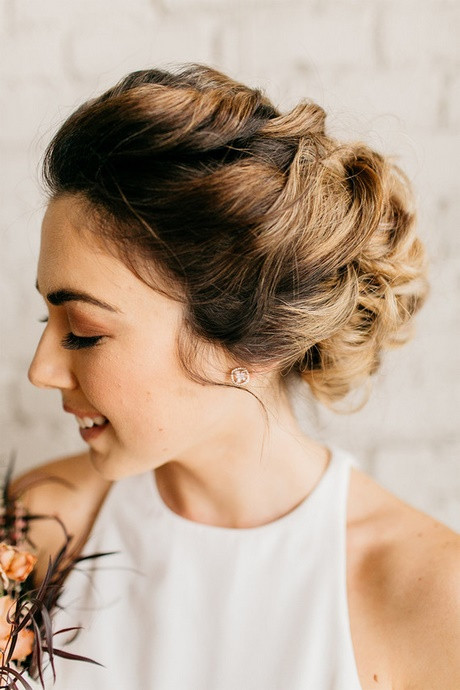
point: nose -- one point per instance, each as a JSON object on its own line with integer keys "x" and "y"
{"x": 51, "y": 364}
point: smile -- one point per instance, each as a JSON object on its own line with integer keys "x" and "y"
{"x": 88, "y": 422}
{"x": 97, "y": 428}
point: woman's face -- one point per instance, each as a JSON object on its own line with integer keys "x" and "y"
{"x": 109, "y": 346}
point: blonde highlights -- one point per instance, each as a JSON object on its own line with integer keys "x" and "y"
{"x": 288, "y": 245}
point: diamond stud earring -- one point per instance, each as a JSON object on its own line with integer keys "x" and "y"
{"x": 240, "y": 376}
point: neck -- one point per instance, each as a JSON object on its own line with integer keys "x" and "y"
{"x": 248, "y": 474}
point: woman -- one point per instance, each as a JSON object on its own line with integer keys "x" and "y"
{"x": 201, "y": 255}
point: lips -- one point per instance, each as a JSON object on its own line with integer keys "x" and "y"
{"x": 91, "y": 423}
{"x": 88, "y": 434}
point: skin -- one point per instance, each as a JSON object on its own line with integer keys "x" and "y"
{"x": 209, "y": 467}
{"x": 402, "y": 566}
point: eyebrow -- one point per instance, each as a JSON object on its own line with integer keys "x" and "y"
{"x": 59, "y": 297}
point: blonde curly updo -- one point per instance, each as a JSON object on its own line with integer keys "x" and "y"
{"x": 285, "y": 245}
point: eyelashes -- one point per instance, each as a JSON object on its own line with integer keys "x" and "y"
{"x": 76, "y": 342}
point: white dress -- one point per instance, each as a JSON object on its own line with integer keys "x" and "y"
{"x": 189, "y": 606}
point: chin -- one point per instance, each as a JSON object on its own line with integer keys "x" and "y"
{"x": 113, "y": 467}
{"x": 109, "y": 468}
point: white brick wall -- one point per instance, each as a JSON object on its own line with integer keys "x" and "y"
{"x": 386, "y": 70}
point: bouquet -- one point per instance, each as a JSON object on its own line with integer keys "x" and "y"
{"x": 26, "y": 612}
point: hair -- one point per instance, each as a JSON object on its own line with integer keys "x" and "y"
{"x": 287, "y": 247}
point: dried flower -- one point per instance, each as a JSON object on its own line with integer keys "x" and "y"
{"x": 15, "y": 563}
{"x": 26, "y": 612}
{"x": 25, "y": 637}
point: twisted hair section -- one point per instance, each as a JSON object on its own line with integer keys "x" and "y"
{"x": 285, "y": 245}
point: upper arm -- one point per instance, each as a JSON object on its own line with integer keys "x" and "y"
{"x": 68, "y": 489}
{"x": 430, "y": 620}
{"x": 438, "y": 634}
{"x": 405, "y": 588}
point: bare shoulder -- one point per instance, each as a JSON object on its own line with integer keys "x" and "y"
{"x": 405, "y": 584}
{"x": 68, "y": 488}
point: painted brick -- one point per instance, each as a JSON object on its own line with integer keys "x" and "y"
{"x": 24, "y": 107}
{"x": 112, "y": 45}
{"x": 420, "y": 33}
{"x": 33, "y": 54}
{"x": 122, "y": 46}
{"x": 441, "y": 215}
{"x": 56, "y": 13}
{"x": 417, "y": 473}
{"x": 28, "y": 14}
{"x": 438, "y": 154}
{"x": 407, "y": 96}
{"x": 189, "y": 38}
{"x": 309, "y": 34}
{"x": 219, "y": 5}
{"x": 453, "y": 104}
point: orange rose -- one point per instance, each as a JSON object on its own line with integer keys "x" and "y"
{"x": 25, "y": 638}
{"x": 16, "y": 564}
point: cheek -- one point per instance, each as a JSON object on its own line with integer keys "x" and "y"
{"x": 148, "y": 399}
{"x": 138, "y": 389}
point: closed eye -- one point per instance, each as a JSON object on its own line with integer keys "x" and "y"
{"x": 76, "y": 342}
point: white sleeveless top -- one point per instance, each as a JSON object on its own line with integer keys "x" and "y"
{"x": 190, "y": 606}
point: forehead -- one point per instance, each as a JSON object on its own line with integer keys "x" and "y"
{"x": 70, "y": 251}
{"x": 72, "y": 239}
{"x": 72, "y": 258}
